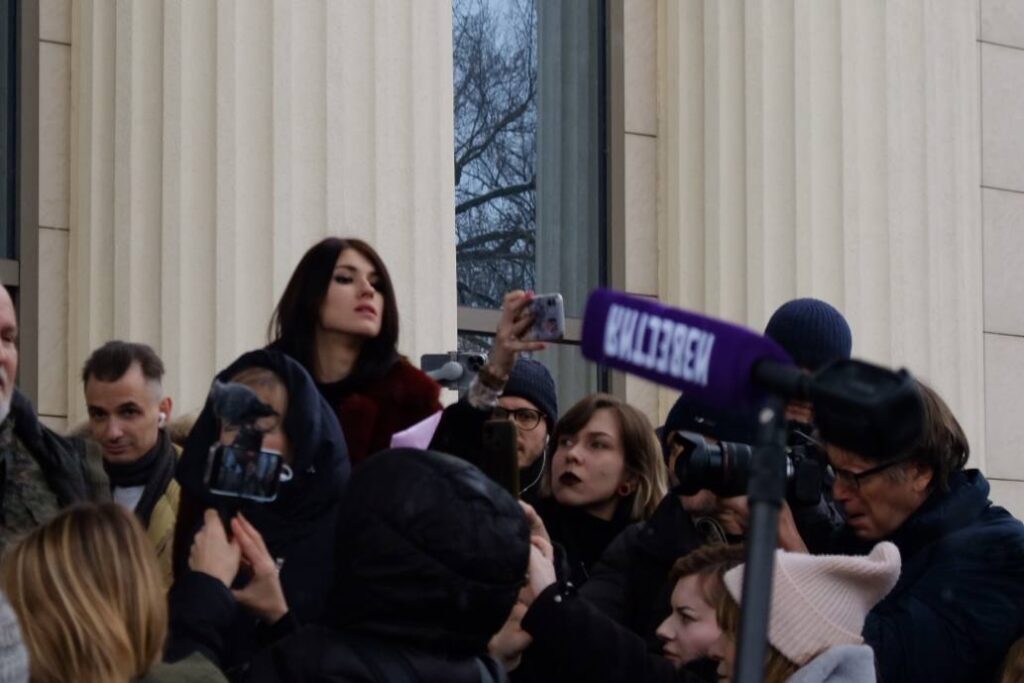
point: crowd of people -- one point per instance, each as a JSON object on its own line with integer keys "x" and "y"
{"x": 121, "y": 562}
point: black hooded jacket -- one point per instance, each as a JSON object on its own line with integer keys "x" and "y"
{"x": 298, "y": 527}
{"x": 630, "y": 582}
{"x": 431, "y": 557}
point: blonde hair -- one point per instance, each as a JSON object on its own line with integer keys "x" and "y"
{"x": 777, "y": 669}
{"x": 88, "y": 592}
{"x": 1013, "y": 666}
{"x": 641, "y": 451}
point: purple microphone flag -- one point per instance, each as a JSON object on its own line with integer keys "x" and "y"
{"x": 706, "y": 358}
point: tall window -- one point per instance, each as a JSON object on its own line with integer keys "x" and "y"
{"x": 529, "y": 166}
{"x": 495, "y": 47}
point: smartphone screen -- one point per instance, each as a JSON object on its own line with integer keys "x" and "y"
{"x": 548, "y": 318}
{"x": 240, "y": 473}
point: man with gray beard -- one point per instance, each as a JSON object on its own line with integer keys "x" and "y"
{"x": 40, "y": 471}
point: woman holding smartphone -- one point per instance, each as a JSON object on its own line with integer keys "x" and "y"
{"x": 339, "y": 318}
{"x": 298, "y": 525}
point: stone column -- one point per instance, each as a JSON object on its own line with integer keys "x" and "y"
{"x": 214, "y": 142}
{"x": 831, "y": 149}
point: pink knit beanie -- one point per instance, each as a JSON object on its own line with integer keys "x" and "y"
{"x": 819, "y": 601}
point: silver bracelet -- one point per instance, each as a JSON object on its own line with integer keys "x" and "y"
{"x": 481, "y": 396}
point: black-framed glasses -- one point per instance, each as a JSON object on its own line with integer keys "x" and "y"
{"x": 525, "y": 418}
{"x": 853, "y": 479}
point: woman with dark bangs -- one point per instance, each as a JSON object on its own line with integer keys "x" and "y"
{"x": 339, "y": 318}
{"x": 606, "y": 473}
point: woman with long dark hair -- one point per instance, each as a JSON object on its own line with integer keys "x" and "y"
{"x": 339, "y": 318}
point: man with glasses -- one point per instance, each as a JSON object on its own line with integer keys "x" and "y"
{"x": 529, "y": 400}
{"x": 509, "y": 388}
{"x": 957, "y": 607}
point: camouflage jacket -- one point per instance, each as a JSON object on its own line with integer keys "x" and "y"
{"x": 41, "y": 471}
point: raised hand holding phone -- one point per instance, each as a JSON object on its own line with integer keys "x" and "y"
{"x": 510, "y": 335}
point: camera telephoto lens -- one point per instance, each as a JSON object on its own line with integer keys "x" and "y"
{"x": 722, "y": 467}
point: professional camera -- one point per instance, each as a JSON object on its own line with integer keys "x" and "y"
{"x": 724, "y": 467}
{"x": 243, "y": 469}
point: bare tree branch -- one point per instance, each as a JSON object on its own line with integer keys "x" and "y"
{"x": 495, "y": 194}
{"x": 479, "y": 240}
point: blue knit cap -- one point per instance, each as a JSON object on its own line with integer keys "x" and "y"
{"x": 531, "y": 380}
{"x": 811, "y": 331}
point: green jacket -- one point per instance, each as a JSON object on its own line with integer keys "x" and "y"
{"x": 193, "y": 669}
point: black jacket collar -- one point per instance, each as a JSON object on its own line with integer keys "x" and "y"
{"x": 944, "y": 513}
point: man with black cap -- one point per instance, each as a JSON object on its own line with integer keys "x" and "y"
{"x": 507, "y": 387}
{"x": 814, "y": 334}
{"x": 955, "y": 610}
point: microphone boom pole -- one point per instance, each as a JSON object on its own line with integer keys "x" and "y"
{"x": 765, "y": 492}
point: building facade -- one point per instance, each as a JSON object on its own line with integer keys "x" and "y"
{"x": 176, "y": 158}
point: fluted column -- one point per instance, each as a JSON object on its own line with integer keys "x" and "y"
{"x": 829, "y": 148}
{"x": 213, "y": 143}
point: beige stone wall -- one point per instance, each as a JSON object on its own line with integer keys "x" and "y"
{"x": 189, "y": 152}
{"x": 211, "y": 143}
{"x": 54, "y": 90}
{"x": 1001, "y": 46}
{"x": 831, "y": 149}
{"x": 640, "y": 171}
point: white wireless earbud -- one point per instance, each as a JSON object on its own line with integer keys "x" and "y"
{"x": 161, "y": 418}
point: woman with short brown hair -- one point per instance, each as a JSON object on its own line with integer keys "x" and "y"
{"x": 606, "y": 472}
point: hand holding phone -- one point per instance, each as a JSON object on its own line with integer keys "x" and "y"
{"x": 511, "y": 335}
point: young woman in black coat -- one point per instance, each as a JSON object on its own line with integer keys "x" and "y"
{"x": 606, "y": 473}
{"x": 298, "y": 527}
{"x": 338, "y": 317}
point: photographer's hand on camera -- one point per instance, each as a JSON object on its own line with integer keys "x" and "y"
{"x": 263, "y": 594}
{"x": 735, "y": 514}
{"x": 212, "y": 553}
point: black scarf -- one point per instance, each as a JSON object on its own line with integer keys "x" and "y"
{"x": 154, "y": 470}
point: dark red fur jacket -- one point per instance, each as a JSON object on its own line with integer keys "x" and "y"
{"x": 395, "y": 402}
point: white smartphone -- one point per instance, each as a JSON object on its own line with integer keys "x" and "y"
{"x": 548, "y": 318}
